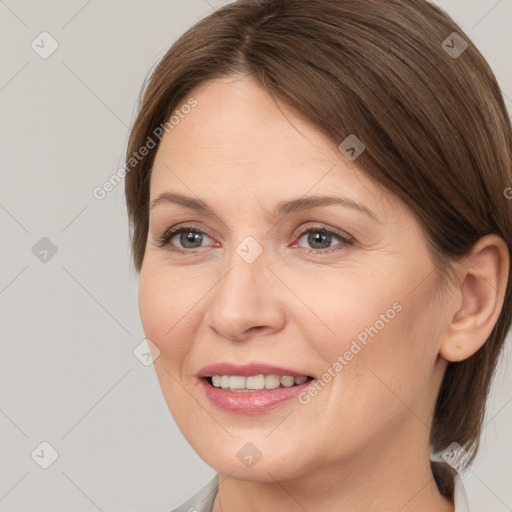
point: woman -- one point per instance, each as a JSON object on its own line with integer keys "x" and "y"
{"x": 318, "y": 208}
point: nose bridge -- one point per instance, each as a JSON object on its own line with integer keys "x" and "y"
{"x": 241, "y": 298}
{"x": 245, "y": 273}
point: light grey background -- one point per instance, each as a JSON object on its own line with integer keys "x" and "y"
{"x": 69, "y": 325}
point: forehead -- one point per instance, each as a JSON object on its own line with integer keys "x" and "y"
{"x": 238, "y": 139}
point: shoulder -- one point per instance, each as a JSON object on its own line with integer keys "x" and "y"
{"x": 449, "y": 483}
{"x": 459, "y": 494}
{"x": 203, "y": 500}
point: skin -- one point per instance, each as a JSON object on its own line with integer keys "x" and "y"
{"x": 363, "y": 442}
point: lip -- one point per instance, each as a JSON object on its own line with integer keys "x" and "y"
{"x": 252, "y": 402}
{"x": 246, "y": 370}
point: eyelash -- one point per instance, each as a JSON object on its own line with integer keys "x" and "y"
{"x": 165, "y": 239}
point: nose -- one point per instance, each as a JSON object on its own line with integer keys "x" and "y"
{"x": 246, "y": 302}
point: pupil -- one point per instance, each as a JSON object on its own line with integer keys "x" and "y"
{"x": 318, "y": 237}
{"x": 190, "y": 237}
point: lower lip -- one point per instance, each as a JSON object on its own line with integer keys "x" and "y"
{"x": 251, "y": 402}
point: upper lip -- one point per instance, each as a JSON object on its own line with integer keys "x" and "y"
{"x": 246, "y": 370}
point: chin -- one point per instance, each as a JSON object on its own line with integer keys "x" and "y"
{"x": 258, "y": 461}
{"x": 262, "y": 471}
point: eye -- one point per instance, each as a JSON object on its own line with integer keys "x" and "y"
{"x": 321, "y": 237}
{"x": 190, "y": 238}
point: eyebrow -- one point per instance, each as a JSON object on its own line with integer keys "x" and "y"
{"x": 283, "y": 207}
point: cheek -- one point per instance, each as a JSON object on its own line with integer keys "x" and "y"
{"x": 384, "y": 339}
{"x": 165, "y": 308}
{"x": 165, "y": 312}
{"x": 345, "y": 307}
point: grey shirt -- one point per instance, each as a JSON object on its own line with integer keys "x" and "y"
{"x": 203, "y": 500}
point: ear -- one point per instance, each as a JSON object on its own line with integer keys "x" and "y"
{"x": 478, "y": 299}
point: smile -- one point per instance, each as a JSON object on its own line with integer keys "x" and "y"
{"x": 242, "y": 400}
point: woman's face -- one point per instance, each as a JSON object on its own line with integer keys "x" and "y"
{"x": 353, "y": 306}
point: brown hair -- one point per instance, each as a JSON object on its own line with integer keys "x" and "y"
{"x": 434, "y": 124}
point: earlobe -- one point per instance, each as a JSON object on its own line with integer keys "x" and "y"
{"x": 479, "y": 299}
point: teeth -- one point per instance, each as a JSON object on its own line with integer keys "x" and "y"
{"x": 236, "y": 382}
{"x": 288, "y": 381}
{"x": 255, "y": 382}
{"x": 272, "y": 382}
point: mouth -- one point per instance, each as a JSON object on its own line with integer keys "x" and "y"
{"x": 252, "y": 388}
